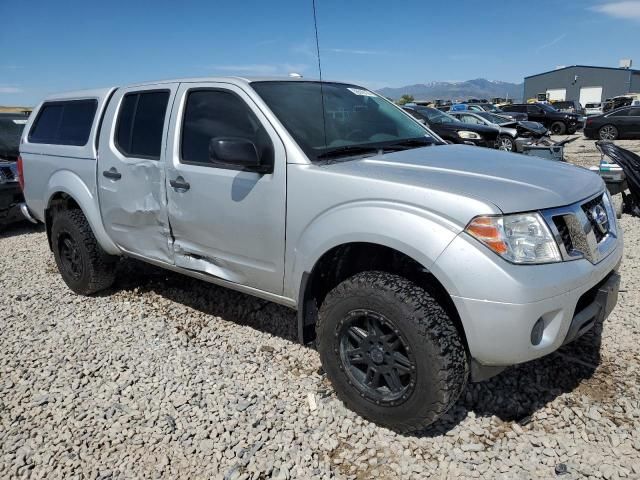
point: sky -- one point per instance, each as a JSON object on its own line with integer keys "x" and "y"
{"x": 54, "y": 46}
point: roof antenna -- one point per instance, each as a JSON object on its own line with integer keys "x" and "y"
{"x": 315, "y": 25}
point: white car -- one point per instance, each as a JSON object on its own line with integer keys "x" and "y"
{"x": 594, "y": 108}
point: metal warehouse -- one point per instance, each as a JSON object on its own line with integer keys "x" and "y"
{"x": 583, "y": 83}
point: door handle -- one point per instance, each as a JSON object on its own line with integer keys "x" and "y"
{"x": 112, "y": 173}
{"x": 180, "y": 184}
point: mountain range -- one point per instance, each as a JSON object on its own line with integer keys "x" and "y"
{"x": 478, "y": 88}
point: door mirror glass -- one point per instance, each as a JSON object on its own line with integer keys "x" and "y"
{"x": 235, "y": 151}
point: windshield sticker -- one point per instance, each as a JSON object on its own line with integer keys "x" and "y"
{"x": 20, "y": 122}
{"x": 361, "y": 92}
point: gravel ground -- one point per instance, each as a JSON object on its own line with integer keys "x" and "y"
{"x": 165, "y": 376}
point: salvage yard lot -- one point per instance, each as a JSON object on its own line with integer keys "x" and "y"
{"x": 168, "y": 376}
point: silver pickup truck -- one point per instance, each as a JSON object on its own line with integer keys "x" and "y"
{"x": 414, "y": 266}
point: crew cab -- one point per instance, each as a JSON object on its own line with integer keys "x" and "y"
{"x": 414, "y": 266}
{"x": 557, "y": 122}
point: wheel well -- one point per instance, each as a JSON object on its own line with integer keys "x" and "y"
{"x": 59, "y": 201}
{"x": 346, "y": 260}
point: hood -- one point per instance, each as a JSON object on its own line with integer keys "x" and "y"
{"x": 457, "y": 126}
{"x": 535, "y": 129}
{"x": 512, "y": 182}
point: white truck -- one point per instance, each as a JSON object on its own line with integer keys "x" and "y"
{"x": 414, "y": 265}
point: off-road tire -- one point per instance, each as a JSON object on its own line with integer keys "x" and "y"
{"x": 442, "y": 366}
{"x": 97, "y": 268}
{"x": 558, "y": 128}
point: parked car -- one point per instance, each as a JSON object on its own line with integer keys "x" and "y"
{"x": 569, "y": 106}
{"x": 557, "y": 122}
{"x": 618, "y": 124}
{"x": 593, "y": 108}
{"x": 11, "y": 126}
{"x": 453, "y": 130}
{"x": 488, "y": 107}
{"x": 513, "y": 136}
{"x": 414, "y": 266}
{"x": 630, "y": 99}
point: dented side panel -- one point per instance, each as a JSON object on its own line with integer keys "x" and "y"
{"x": 132, "y": 192}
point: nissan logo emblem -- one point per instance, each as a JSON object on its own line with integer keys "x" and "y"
{"x": 599, "y": 216}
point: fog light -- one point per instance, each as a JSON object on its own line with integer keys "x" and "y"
{"x": 537, "y": 331}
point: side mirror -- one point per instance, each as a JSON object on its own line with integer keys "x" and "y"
{"x": 238, "y": 153}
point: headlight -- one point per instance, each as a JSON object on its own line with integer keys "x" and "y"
{"x": 520, "y": 238}
{"x": 469, "y": 135}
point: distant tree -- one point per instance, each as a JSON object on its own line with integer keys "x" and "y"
{"x": 404, "y": 99}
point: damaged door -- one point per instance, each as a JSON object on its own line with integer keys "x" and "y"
{"x": 131, "y": 175}
{"x": 226, "y": 187}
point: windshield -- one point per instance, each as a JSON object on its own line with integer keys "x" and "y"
{"x": 353, "y": 118}
{"x": 547, "y": 107}
{"x": 494, "y": 118}
{"x": 10, "y": 132}
{"x": 436, "y": 116}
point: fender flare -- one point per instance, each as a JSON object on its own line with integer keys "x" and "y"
{"x": 69, "y": 183}
{"x": 375, "y": 222}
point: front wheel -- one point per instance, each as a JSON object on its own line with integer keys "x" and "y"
{"x": 558, "y": 128}
{"x": 506, "y": 143}
{"x": 391, "y": 351}
{"x": 608, "y": 132}
{"x": 84, "y": 266}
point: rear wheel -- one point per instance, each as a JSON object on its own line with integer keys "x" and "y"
{"x": 84, "y": 266}
{"x": 608, "y": 132}
{"x": 391, "y": 351}
{"x": 558, "y": 128}
{"x": 506, "y": 143}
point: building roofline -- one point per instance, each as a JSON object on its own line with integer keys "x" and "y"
{"x": 583, "y": 66}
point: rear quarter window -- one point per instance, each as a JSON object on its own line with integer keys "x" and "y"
{"x": 141, "y": 123}
{"x": 64, "y": 123}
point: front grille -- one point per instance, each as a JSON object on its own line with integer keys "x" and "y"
{"x": 7, "y": 174}
{"x": 563, "y": 230}
{"x": 583, "y": 230}
{"x": 587, "y": 209}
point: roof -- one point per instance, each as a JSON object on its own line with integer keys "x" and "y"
{"x": 585, "y": 66}
{"x": 102, "y": 92}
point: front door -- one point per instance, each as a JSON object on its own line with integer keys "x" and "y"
{"x": 227, "y": 222}
{"x": 131, "y": 175}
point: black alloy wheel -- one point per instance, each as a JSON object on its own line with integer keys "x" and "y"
{"x": 70, "y": 256}
{"x": 376, "y": 358}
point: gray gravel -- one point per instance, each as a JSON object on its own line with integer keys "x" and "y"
{"x": 165, "y": 376}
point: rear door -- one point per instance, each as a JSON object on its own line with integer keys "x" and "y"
{"x": 131, "y": 175}
{"x": 536, "y": 114}
{"x": 227, "y": 222}
{"x": 634, "y": 122}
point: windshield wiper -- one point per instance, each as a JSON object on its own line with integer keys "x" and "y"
{"x": 348, "y": 150}
{"x": 408, "y": 144}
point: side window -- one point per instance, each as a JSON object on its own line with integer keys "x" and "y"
{"x": 620, "y": 113}
{"x": 213, "y": 114}
{"x": 64, "y": 123}
{"x": 470, "y": 119}
{"x": 533, "y": 109}
{"x": 140, "y": 124}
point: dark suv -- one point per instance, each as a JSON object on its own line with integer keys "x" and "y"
{"x": 557, "y": 122}
{"x": 11, "y": 126}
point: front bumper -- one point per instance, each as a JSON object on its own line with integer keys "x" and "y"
{"x": 499, "y": 303}
{"x": 10, "y": 199}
